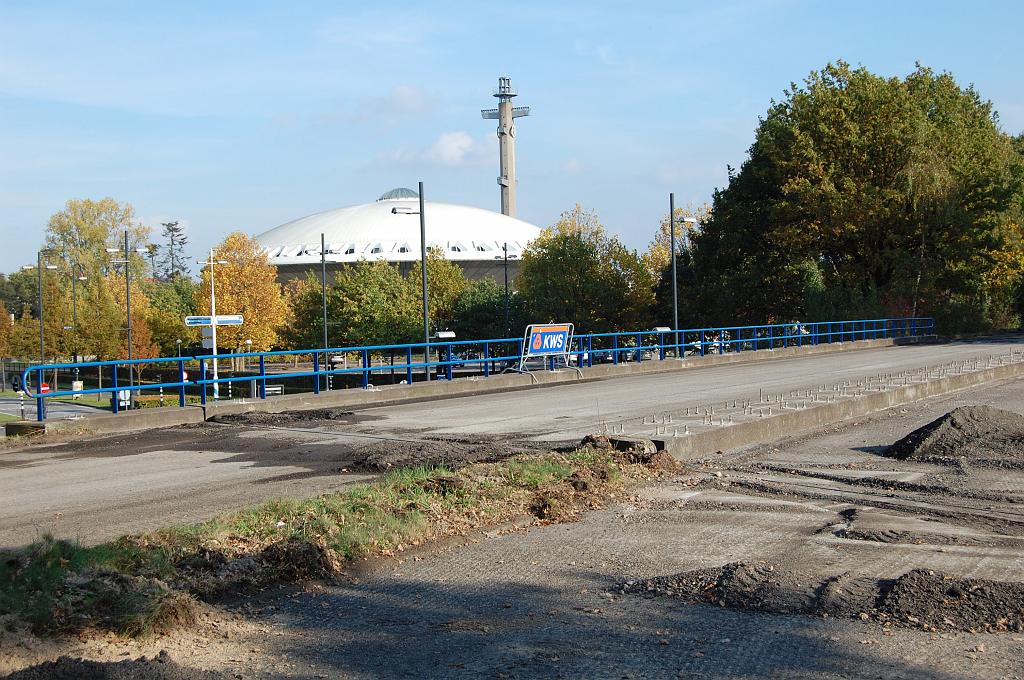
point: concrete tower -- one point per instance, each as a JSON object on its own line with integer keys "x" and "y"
{"x": 506, "y": 115}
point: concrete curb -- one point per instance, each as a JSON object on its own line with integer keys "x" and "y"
{"x": 688, "y": 447}
{"x": 389, "y": 395}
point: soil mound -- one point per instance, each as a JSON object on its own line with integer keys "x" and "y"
{"x": 918, "y": 599}
{"x": 974, "y": 432}
{"x": 287, "y": 417}
{"x": 160, "y": 667}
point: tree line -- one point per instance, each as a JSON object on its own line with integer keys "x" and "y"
{"x": 861, "y": 196}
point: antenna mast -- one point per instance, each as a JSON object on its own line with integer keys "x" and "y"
{"x": 506, "y": 115}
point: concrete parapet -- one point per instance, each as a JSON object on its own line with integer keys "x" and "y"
{"x": 781, "y": 425}
{"x": 127, "y": 421}
{"x": 144, "y": 419}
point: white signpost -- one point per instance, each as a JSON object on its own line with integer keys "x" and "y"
{"x": 209, "y": 323}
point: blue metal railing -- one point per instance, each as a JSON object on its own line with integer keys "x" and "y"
{"x": 488, "y": 356}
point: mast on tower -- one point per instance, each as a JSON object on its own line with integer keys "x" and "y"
{"x": 506, "y": 115}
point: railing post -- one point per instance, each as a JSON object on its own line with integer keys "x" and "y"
{"x": 639, "y": 347}
{"x": 202, "y": 379}
{"x": 366, "y": 368}
{"x": 590, "y": 351}
{"x": 115, "y": 402}
{"x": 702, "y": 342}
{"x": 739, "y": 340}
{"x": 615, "y": 350}
{"x": 263, "y": 377}
{"x": 661, "y": 346}
{"x": 40, "y": 400}
{"x": 771, "y": 337}
{"x": 448, "y": 362}
{"x": 408, "y": 365}
{"x": 181, "y": 379}
{"x": 316, "y": 372}
{"x": 799, "y": 335}
{"x": 487, "y": 357}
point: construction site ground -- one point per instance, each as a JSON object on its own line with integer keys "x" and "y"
{"x": 582, "y": 599}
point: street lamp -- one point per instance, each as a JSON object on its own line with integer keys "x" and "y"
{"x": 126, "y": 251}
{"x": 423, "y": 273}
{"x": 323, "y": 296}
{"x": 213, "y": 319}
{"x": 675, "y": 281}
{"x": 75, "y": 278}
{"x": 40, "y": 267}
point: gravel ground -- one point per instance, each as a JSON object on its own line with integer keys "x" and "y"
{"x": 548, "y": 602}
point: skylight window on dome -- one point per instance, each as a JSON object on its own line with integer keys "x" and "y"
{"x": 404, "y": 248}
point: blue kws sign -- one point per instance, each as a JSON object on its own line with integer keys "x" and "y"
{"x": 546, "y": 340}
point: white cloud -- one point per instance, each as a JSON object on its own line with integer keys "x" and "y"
{"x": 450, "y": 149}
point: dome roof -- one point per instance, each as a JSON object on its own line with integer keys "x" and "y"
{"x": 389, "y": 229}
{"x": 400, "y": 192}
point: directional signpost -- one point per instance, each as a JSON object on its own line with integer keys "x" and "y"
{"x": 210, "y": 335}
{"x": 222, "y": 320}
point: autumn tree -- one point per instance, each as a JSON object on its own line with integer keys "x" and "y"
{"x": 576, "y": 272}
{"x": 246, "y": 285}
{"x": 6, "y": 331}
{"x": 85, "y": 228}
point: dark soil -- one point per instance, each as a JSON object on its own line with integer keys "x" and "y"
{"x": 160, "y": 667}
{"x": 286, "y": 418}
{"x": 918, "y": 599}
{"x": 979, "y": 434}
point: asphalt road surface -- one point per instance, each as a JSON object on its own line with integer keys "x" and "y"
{"x": 55, "y": 410}
{"x": 97, "y": 489}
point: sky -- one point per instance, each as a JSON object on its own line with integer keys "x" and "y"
{"x": 244, "y": 115}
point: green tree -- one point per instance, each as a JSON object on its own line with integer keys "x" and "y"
{"x": 173, "y": 264}
{"x": 170, "y": 302}
{"x": 883, "y": 191}
{"x": 445, "y": 283}
{"x": 479, "y": 312}
{"x": 576, "y": 272}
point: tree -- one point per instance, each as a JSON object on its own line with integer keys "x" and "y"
{"x": 6, "y": 331}
{"x": 246, "y": 285}
{"x": 479, "y": 313}
{"x": 658, "y": 251}
{"x": 576, "y": 272}
{"x": 881, "y": 192}
{"x": 445, "y": 283}
{"x": 83, "y": 231}
{"x": 170, "y": 302}
{"x": 372, "y": 304}
{"x": 174, "y": 263}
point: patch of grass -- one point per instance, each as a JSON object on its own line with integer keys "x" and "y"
{"x": 59, "y": 586}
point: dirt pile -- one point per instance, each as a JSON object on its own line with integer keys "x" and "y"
{"x": 286, "y": 418}
{"x": 981, "y": 434}
{"x": 918, "y": 599}
{"x": 160, "y": 667}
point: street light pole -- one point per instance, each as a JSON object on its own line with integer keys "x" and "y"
{"x": 323, "y": 294}
{"x": 213, "y": 319}
{"x": 402, "y": 210}
{"x": 675, "y": 280}
{"x": 423, "y": 277}
{"x": 508, "y": 328}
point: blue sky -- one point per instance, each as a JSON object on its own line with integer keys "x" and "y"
{"x": 235, "y": 115}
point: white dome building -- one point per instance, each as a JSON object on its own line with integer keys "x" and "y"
{"x": 384, "y": 230}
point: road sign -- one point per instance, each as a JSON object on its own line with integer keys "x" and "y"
{"x": 546, "y": 340}
{"x": 222, "y": 320}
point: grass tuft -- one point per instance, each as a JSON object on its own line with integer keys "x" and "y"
{"x": 145, "y": 584}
